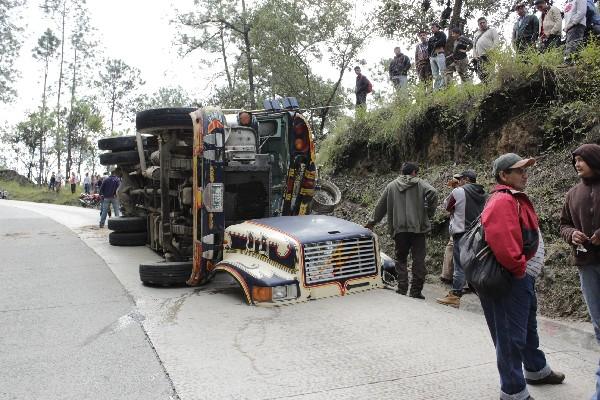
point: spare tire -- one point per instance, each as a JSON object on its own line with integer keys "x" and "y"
{"x": 120, "y": 157}
{"x": 164, "y": 118}
{"x": 127, "y": 238}
{"x": 120, "y": 143}
{"x": 327, "y": 196}
{"x": 127, "y": 224}
{"x": 165, "y": 273}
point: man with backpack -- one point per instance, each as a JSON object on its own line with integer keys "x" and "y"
{"x": 409, "y": 203}
{"x": 580, "y": 227}
{"x": 484, "y": 40}
{"x": 399, "y": 69}
{"x": 362, "y": 88}
{"x": 512, "y": 232}
{"x": 464, "y": 204}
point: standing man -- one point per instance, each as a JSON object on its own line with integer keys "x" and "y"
{"x": 52, "y": 185}
{"x": 459, "y": 60}
{"x": 574, "y": 25}
{"x": 464, "y": 204}
{"x": 361, "y": 89}
{"x": 580, "y": 227}
{"x": 485, "y": 39}
{"x": 437, "y": 56}
{"x": 108, "y": 191}
{"x": 422, "y": 58}
{"x": 399, "y": 69}
{"x": 73, "y": 182}
{"x": 526, "y": 29}
{"x": 87, "y": 183}
{"x": 512, "y": 231}
{"x": 550, "y": 26}
{"x": 409, "y": 203}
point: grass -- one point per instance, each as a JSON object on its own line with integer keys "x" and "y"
{"x": 419, "y": 125}
{"x": 40, "y": 194}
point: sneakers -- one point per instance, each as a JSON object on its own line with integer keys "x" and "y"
{"x": 451, "y": 300}
{"x": 555, "y": 378}
{"x": 417, "y": 296}
{"x": 401, "y": 291}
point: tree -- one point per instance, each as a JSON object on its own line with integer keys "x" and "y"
{"x": 10, "y": 44}
{"x": 44, "y": 51}
{"x": 164, "y": 97}
{"x": 117, "y": 83}
{"x": 222, "y": 19}
{"x": 84, "y": 124}
{"x": 27, "y": 135}
{"x": 398, "y": 17}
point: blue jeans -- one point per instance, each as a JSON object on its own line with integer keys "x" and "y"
{"x": 104, "y": 211}
{"x": 458, "y": 277}
{"x": 513, "y": 326}
{"x": 438, "y": 69}
{"x": 590, "y": 286}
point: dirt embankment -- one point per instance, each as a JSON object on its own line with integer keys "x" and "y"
{"x": 10, "y": 175}
{"x": 558, "y": 288}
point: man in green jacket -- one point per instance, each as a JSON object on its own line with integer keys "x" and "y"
{"x": 409, "y": 203}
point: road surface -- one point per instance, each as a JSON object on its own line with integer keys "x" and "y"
{"x": 75, "y": 322}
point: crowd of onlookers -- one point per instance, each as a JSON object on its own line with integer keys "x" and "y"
{"x": 91, "y": 184}
{"x": 506, "y": 222}
{"x": 436, "y": 62}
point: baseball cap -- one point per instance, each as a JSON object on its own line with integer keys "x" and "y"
{"x": 472, "y": 175}
{"x": 519, "y": 5}
{"x": 510, "y": 160}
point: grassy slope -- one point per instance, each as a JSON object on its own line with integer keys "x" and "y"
{"x": 534, "y": 107}
{"x": 37, "y": 194}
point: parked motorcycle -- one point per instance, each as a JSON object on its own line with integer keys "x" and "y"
{"x": 90, "y": 200}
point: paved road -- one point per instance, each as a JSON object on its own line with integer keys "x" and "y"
{"x": 375, "y": 345}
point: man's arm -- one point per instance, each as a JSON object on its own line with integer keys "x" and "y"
{"x": 555, "y": 16}
{"x": 380, "y": 209}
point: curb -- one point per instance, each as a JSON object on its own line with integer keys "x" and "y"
{"x": 578, "y": 333}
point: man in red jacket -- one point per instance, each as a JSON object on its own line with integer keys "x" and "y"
{"x": 512, "y": 232}
{"x": 580, "y": 227}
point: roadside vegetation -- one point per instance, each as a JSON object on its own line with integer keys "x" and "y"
{"x": 31, "y": 192}
{"x": 536, "y": 108}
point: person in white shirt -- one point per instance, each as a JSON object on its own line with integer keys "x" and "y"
{"x": 574, "y": 25}
{"x": 485, "y": 39}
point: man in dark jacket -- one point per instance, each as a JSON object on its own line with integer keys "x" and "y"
{"x": 458, "y": 60}
{"x": 409, "y": 203}
{"x": 526, "y": 29}
{"x": 512, "y": 232}
{"x": 399, "y": 69}
{"x": 108, "y": 191}
{"x": 580, "y": 227}
{"x": 464, "y": 204}
{"x": 361, "y": 89}
{"x": 437, "y": 56}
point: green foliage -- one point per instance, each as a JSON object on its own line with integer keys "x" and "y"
{"x": 10, "y": 44}
{"x": 164, "y": 97}
{"x": 39, "y": 194}
{"x": 563, "y": 99}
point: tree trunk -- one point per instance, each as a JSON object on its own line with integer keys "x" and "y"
{"x": 229, "y": 81}
{"x": 70, "y": 126}
{"x": 43, "y": 130}
{"x": 60, "y": 76}
{"x": 248, "y": 51}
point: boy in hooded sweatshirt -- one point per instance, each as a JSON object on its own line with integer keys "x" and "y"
{"x": 580, "y": 227}
{"x": 409, "y": 203}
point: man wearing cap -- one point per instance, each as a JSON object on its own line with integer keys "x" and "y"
{"x": 550, "y": 26}
{"x": 512, "y": 232}
{"x": 464, "y": 204}
{"x": 580, "y": 227}
{"x": 108, "y": 191}
{"x": 525, "y": 30}
{"x": 409, "y": 203}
